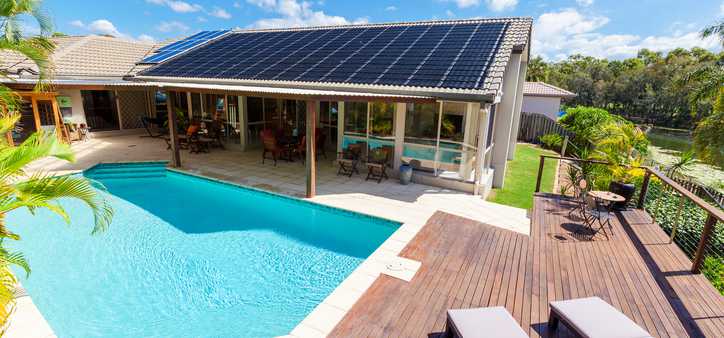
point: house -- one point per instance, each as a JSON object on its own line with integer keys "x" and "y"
{"x": 443, "y": 96}
{"x": 87, "y": 84}
{"x": 543, "y": 98}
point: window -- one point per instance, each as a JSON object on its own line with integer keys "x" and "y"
{"x": 255, "y": 109}
{"x": 272, "y": 116}
{"x": 453, "y": 121}
{"x": 382, "y": 117}
{"x": 355, "y": 119}
{"x": 421, "y": 123}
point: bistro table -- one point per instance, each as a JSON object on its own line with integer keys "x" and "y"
{"x": 606, "y": 196}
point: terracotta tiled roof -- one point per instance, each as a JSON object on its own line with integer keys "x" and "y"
{"x": 83, "y": 57}
{"x": 544, "y": 89}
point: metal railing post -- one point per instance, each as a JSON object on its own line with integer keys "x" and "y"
{"x": 644, "y": 190}
{"x": 676, "y": 220}
{"x": 700, "y": 250}
{"x": 540, "y": 173}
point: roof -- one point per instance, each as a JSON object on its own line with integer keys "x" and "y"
{"x": 547, "y": 90}
{"x": 85, "y": 57}
{"x": 462, "y": 57}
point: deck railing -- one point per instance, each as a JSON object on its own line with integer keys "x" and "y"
{"x": 694, "y": 208}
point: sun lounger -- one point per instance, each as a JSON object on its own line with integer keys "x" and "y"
{"x": 593, "y": 317}
{"x": 489, "y": 322}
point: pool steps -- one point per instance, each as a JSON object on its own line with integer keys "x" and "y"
{"x": 127, "y": 170}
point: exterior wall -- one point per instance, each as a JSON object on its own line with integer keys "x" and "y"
{"x": 548, "y": 106}
{"x": 78, "y": 114}
{"x": 132, "y": 106}
{"x": 516, "y": 111}
{"x": 505, "y": 113}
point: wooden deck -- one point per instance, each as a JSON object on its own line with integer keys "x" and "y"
{"x": 468, "y": 264}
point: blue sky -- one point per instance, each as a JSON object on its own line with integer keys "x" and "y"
{"x": 603, "y": 28}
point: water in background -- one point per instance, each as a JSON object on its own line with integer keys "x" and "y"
{"x": 187, "y": 257}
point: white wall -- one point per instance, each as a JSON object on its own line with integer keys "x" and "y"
{"x": 77, "y": 102}
{"x": 549, "y": 106}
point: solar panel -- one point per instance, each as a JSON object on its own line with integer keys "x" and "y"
{"x": 166, "y": 52}
{"x": 450, "y": 55}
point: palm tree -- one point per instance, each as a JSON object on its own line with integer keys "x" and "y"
{"x": 40, "y": 190}
{"x": 716, "y": 29}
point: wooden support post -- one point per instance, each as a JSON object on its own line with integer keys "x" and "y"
{"x": 644, "y": 189}
{"x": 173, "y": 132}
{"x": 311, "y": 163}
{"x": 703, "y": 243}
{"x": 540, "y": 173}
{"x": 565, "y": 145}
{"x": 36, "y": 113}
{"x": 60, "y": 129}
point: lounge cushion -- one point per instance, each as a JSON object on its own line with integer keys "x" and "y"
{"x": 593, "y": 317}
{"x": 490, "y": 322}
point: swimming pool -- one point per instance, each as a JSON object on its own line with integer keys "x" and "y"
{"x": 189, "y": 257}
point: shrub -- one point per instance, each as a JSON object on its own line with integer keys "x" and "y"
{"x": 713, "y": 269}
{"x": 552, "y": 141}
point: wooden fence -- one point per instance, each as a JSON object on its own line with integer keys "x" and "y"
{"x": 535, "y": 125}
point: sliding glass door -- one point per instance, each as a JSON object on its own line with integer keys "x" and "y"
{"x": 440, "y": 139}
{"x": 370, "y": 124}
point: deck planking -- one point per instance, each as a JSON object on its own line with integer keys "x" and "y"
{"x": 468, "y": 264}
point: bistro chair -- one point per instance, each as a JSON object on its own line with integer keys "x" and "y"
{"x": 579, "y": 197}
{"x": 596, "y": 216}
{"x": 272, "y": 147}
{"x": 377, "y": 161}
{"x": 348, "y": 160}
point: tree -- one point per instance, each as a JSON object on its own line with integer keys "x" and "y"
{"x": 717, "y": 30}
{"x": 709, "y": 135}
{"x": 39, "y": 190}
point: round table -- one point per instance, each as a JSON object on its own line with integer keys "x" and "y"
{"x": 606, "y": 196}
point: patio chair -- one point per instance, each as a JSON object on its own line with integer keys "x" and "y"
{"x": 153, "y": 126}
{"x": 214, "y": 133}
{"x": 321, "y": 139}
{"x": 377, "y": 161}
{"x": 592, "y": 317}
{"x": 272, "y": 147}
{"x": 579, "y": 197}
{"x": 300, "y": 149}
{"x": 489, "y": 322}
{"x": 348, "y": 160}
{"x": 595, "y": 213}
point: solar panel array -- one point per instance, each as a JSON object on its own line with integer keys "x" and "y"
{"x": 166, "y": 52}
{"x": 451, "y": 55}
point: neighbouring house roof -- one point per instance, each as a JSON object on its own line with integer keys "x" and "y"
{"x": 547, "y": 90}
{"x": 80, "y": 58}
{"x": 465, "y": 57}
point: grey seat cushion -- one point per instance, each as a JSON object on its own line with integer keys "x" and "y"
{"x": 490, "y": 322}
{"x": 593, "y": 317}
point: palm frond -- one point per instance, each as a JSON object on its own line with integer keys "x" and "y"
{"x": 9, "y": 119}
{"x": 14, "y": 258}
{"x": 37, "y": 146}
{"x": 38, "y": 192}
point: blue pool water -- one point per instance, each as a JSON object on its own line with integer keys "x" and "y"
{"x": 189, "y": 257}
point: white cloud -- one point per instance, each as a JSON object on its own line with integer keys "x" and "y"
{"x": 172, "y": 26}
{"x": 220, "y": 13}
{"x": 557, "y": 35}
{"x": 467, "y": 3}
{"x": 390, "y": 8}
{"x": 293, "y": 13}
{"x": 236, "y": 4}
{"x": 500, "y": 5}
{"x": 178, "y": 6}
{"x": 584, "y": 3}
{"x": 146, "y": 38}
{"x": 449, "y": 13}
{"x": 106, "y": 27}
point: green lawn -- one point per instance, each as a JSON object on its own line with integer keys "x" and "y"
{"x": 521, "y": 176}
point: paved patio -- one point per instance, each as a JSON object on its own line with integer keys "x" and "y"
{"x": 413, "y": 203}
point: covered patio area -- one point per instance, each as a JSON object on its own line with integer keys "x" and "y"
{"x": 413, "y": 203}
